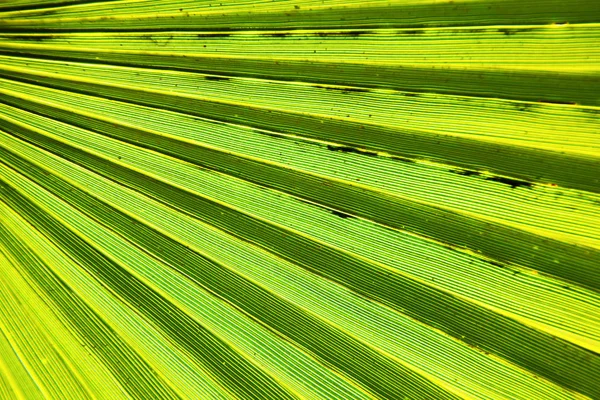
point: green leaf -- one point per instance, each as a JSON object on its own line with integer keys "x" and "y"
{"x": 339, "y": 200}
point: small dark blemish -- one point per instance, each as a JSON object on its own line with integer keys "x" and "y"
{"x": 358, "y": 33}
{"x": 523, "y": 106}
{"x": 37, "y": 38}
{"x": 476, "y": 30}
{"x": 514, "y": 183}
{"x": 410, "y": 94}
{"x": 213, "y": 35}
{"x": 216, "y": 78}
{"x": 403, "y": 159}
{"x": 556, "y": 102}
{"x": 341, "y": 214}
{"x": 270, "y": 134}
{"x": 413, "y": 32}
{"x": 510, "y": 32}
{"x": 355, "y": 90}
{"x": 341, "y": 33}
{"x": 276, "y": 35}
{"x": 343, "y": 90}
{"x": 346, "y": 149}
{"x": 496, "y": 264}
{"x": 465, "y": 172}
{"x": 297, "y": 7}
{"x": 46, "y": 13}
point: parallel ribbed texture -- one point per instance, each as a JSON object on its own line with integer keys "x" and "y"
{"x": 276, "y": 199}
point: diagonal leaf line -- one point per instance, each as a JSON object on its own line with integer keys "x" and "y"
{"x": 367, "y": 280}
{"x": 314, "y": 335}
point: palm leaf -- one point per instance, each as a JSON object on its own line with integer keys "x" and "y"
{"x": 341, "y": 199}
